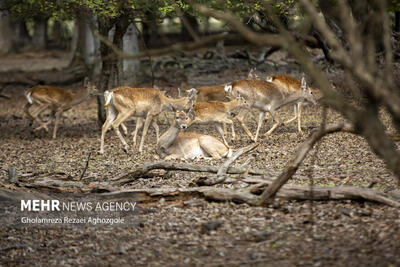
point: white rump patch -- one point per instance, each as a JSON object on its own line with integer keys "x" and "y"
{"x": 28, "y": 97}
{"x": 269, "y": 79}
{"x": 228, "y": 88}
{"x": 108, "y": 96}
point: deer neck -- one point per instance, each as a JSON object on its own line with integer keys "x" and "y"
{"x": 167, "y": 139}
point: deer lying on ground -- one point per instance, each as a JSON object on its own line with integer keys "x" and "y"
{"x": 58, "y": 100}
{"x": 266, "y": 96}
{"x": 217, "y": 112}
{"x": 175, "y": 144}
{"x": 123, "y": 102}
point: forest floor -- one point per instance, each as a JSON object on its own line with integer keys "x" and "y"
{"x": 200, "y": 232}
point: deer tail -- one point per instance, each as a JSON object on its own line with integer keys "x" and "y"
{"x": 108, "y": 96}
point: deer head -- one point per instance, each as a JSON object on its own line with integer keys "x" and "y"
{"x": 307, "y": 92}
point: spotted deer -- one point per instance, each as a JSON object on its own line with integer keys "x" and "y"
{"x": 290, "y": 85}
{"x": 176, "y": 144}
{"x": 266, "y": 97}
{"x": 219, "y": 113}
{"x": 58, "y": 100}
{"x": 211, "y": 93}
{"x": 124, "y": 102}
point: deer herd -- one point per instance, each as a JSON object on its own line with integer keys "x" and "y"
{"x": 203, "y": 105}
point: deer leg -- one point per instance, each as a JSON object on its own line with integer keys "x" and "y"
{"x": 221, "y": 132}
{"x": 121, "y": 118}
{"x": 35, "y": 115}
{"x": 233, "y": 131}
{"x": 261, "y": 117}
{"x": 277, "y": 123}
{"x": 139, "y": 124}
{"x": 149, "y": 117}
{"x": 240, "y": 118}
{"x": 57, "y": 119}
{"x": 124, "y": 129}
{"x": 155, "y": 126}
{"x": 106, "y": 126}
{"x": 225, "y": 130}
{"x": 299, "y": 118}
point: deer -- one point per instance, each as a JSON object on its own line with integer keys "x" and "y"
{"x": 176, "y": 144}
{"x": 123, "y": 102}
{"x": 290, "y": 84}
{"x": 58, "y": 100}
{"x": 211, "y": 93}
{"x": 219, "y": 113}
{"x": 267, "y": 97}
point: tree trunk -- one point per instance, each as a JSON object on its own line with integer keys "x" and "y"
{"x": 189, "y": 27}
{"x": 397, "y": 21}
{"x": 40, "y": 34}
{"x": 105, "y": 26}
{"x": 87, "y": 45}
{"x": 6, "y": 36}
{"x": 130, "y": 67}
{"x": 150, "y": 34}
{"x": 21, "y": 35}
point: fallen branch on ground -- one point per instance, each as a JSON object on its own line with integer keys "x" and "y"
{"x": 144, "y": 170}
{"x": 291, "y": 168}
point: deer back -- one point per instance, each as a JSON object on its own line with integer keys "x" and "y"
{"x": 211, "y": 93}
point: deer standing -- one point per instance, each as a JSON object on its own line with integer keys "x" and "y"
{"x": 58, "y": 100}
{"x": 123, "y": 102}
{"x": 290, "y": 85}
{"x": 266, "y": 97}
{"x": 219, "y": 113}
{"x": 175, "y": 144}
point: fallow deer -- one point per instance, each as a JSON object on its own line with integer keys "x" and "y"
{"x": 211, "y": 93}
{"x": 123, "y": 102}
{"x": 219, "y": 113}
{"x": 265, "y": 96}
{"x": 58, "y": 100}
{"x": 175, "y": 144}
{"x": 290, "y": 85}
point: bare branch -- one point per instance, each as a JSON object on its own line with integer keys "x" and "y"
{"x": 178, "y": 47}
{"x": 291, "y": 168}
{"x": 143, "y": 170}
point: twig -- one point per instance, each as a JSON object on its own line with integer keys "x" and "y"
{"x": 87, "y": 165}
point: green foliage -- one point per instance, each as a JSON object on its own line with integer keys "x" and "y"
{"x": 394, "y": 6}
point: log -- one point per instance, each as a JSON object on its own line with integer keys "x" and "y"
{"x": 144, "y": 170}
{"x": 288, "y": 192}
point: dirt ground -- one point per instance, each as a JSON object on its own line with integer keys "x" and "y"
{"x": 198, "y": 232}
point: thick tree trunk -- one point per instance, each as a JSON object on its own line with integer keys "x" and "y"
{"x": 189, "y": 26}
{"x": 105, "y": 26}
{"x": 130, "y": 67}
{"x": 40, "y": 33}
{"x": 21, "y": 35}
{"x": 6, "y": 36}
{"x": 87, "y": 45}
{"x": 150, "y": 34}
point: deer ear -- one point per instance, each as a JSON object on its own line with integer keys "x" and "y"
{"x": 85, "y": 81}
{"x": 303, "y": 83}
